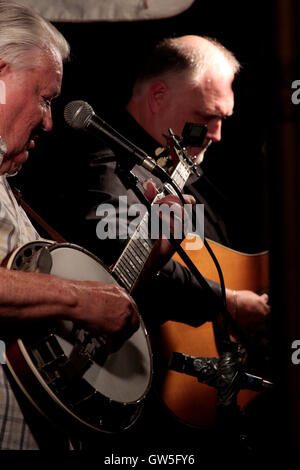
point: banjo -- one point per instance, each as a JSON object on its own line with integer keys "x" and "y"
{"x": 65, "y": 371}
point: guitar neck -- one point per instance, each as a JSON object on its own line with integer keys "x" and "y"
{"x": 137, "y": 251}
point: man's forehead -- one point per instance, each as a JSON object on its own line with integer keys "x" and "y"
{"x": 50, "y": 66}
{"x": 216, "y": 91}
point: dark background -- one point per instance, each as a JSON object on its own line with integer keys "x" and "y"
{"x": 106, "y": 58}
{"x": 256, "y": 166}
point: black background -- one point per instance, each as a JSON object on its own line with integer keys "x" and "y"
{"x": 105, "y": 60}
{"x": 256, "y": 165}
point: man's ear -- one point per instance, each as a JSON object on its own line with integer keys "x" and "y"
{"x": 158, "y": 95}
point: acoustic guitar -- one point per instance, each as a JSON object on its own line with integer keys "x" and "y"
{"x": 188, "y": 400}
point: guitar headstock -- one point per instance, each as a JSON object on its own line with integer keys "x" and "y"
{"x": 175, "y": 151}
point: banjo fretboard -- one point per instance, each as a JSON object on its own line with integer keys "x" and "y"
{"x": 134, "y": 257}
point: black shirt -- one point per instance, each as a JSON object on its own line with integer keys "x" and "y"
{"x": 175, "y": 294}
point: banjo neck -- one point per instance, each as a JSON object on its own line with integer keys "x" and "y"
{"x": 131, "y": 262}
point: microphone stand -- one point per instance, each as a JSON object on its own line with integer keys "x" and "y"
{"x": 227, "y": 375}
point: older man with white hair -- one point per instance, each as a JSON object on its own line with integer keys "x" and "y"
{"x": 32, "y": 52}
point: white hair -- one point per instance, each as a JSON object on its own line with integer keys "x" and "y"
{"x": 23, "y": 32}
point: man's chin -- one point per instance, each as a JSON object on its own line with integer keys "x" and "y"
{"x": 10, "y": 170}
{"x": 20, "y": 159}
{"x": 13, "y": 166}
{"x": 14, "y": 171}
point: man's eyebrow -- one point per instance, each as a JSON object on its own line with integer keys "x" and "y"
{"x": 213, "y": 114}
{"x": 222, "y": 115}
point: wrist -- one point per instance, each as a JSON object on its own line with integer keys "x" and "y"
{"x": 232, "y": 303}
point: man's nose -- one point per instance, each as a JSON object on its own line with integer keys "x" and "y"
{"x": 47, "y": 122}
{"x": 214, "y": 129}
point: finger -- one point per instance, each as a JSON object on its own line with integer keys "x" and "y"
{"x": 134, "y": 317}
{"x": 151, "y": 190}
{"x": 265, "y": 297}
{"x": 189, "y": 199}
{"x": 119, "y": 337}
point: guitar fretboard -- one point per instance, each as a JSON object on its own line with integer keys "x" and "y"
{"x": 134, "y": 257}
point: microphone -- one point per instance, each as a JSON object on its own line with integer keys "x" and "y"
{"x": 80, "y": 115}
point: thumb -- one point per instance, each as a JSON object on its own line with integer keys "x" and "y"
{"x": 265, "y": 298}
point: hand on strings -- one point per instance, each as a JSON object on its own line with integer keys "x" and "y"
{"x": 172, "y": 213}
{"x": 250, "y": 310}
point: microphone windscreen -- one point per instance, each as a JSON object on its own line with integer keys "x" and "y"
{"x": 77, "y": 114}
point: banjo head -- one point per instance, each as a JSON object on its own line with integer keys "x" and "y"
{"x": 125, "y": 375}
{"x": 105, "y": 393}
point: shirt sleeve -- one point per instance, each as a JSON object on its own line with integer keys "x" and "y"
{"x": 175, "y": 294}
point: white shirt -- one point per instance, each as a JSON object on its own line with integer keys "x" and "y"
{"x": 15, "y": 227}
{"x": 15, "y": 230}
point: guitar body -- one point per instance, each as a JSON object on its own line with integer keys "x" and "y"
{"x": 63, "y": 370}
{"x": 189, "y": 400}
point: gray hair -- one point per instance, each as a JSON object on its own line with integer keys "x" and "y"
{"x": 23, "y": 31}
{"x": 174, "y": 57}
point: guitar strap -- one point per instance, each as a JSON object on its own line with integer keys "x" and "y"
{"x": 54, "y": 235}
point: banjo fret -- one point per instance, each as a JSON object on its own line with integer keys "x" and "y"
{"x": 134, "y": 255}
{"x": 139, "y": 247}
